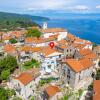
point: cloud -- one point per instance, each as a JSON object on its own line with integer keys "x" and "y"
{"x": 98, "y": 6}
{"x": 47, "y": 5}
{"x": 79, "y": 7}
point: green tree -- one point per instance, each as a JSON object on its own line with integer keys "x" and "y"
{"x": 90, "y": 88}
{"x": 13, "y": 41}
{"x": 11, "y": 92}
{"x": 3, "y": 94}
{"x": 32, "y": 98}
{"x": 98, "y": 75}
{"x": 16, "y": 98}
{"x": 33, "y": 33}
{"x": 5, "y": 74}
{"x": 7, "y": 64}
{"x": 94, "y": 45}
{"x": 65, "y": 98}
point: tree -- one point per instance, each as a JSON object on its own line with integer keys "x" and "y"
{"x": 3, "y": 94}
{"x": 32, "y": 98}
{"x": 13, "y": 41}
{"x": 33, "y": 33}
{"x": 16, "y": 98}
{"x": 98, "y": 75}
{"x": 11, "y": 92}
{"x": 5, "y": 74}
{"x": 65, "y": 98}
{"x": 90, "y": 87}
{"x": 94, "y": 45}
{"x": 7, "y": 66}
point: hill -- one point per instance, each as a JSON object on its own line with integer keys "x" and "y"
{"x": 12, "y": 21}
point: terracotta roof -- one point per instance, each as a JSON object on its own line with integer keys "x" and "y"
{"x": 63, "y": 42}
{"x": 26, "y": 48}
{"x": 40, "y": 40}
{"x": 36, "y": 49}
{"x": 6, "y": 37}
{"x": 50, "y": 39}
{"x": 71, "y": 37}
{"x": 78, "y": 46}
{"x": 35, "y": 72}
{"x": 62, "y": 46}
{"x": 47, "y": 51}
{"x": 16, "y": 33}
{"x": 34, "y": 40}
{"x": 96, "y": 88}
{"x": 85, "y": 52}
{"x": 29, "y": 39}
{"x": 1, "y": 33}
{"x": 29, "y": 48}
{"x": 53, "y": 30}
{"x": 79, "y": 65}
{"x": 52, "y": 90}
{"x": 25, "y": 78}
{"x": 91, "y": 56}
{"x": 9, "y": 48}
{"x": 78, "y": 40}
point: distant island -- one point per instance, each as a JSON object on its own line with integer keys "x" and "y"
{"x": 13, "y": 21}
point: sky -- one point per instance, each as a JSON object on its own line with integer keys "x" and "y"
{"x": 47, "y": 7}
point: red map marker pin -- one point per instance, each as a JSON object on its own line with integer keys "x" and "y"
{"x": 52, "y": 44}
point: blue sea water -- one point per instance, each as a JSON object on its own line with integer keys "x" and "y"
{"x": 88, "y": 29}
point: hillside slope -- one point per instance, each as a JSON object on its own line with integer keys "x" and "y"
{"x": 11, "y": 21}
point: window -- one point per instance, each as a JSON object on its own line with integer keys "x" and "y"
{"x": 31, "y": 86}
{"x": 68, "y": 72}
{"x": 68, "y": 76}
{"x": 52, "y": 62}
{"x": 59, "y": 56}
{"x": 64, "y": 72}
{"x": 47, "y": 62}
{"x": 49, "y": 66}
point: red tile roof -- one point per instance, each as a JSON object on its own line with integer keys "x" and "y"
{"x": 96, "y": 88}
{"x": 9, "y": 48}
{"x": 88, "y": 53}
{"x": 52, "y": 90}
{"x": 79, "y": 65}
{"x": 25, "y": 78}
{"x": 53, "y": 30}
{"x": 47, "y": 51}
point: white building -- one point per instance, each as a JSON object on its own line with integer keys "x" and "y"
{"x": 25, "y": 83}
{"x": 49, "y": 58}
{"x": 53, "y": 31}
{"x": 77, "y": 73}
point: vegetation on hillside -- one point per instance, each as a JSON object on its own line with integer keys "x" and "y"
{"x": 7, "y": 66}
{"x": 5, "y": 94}
{"x": 33, "y": 33}
{"x": 11, "y": 21}
{"x": 13, "y": 41}
{"x": 31, "y": 64}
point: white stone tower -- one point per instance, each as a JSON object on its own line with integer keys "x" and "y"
{"x": 45, "y": 25}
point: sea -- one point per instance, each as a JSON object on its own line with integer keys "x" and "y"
{"x": 88, "y": 29}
